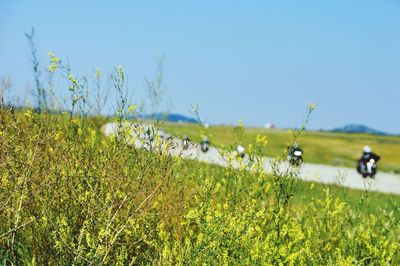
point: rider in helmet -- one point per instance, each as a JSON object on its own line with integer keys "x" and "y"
{"x": 185, "y": 142}
{"x": 366, "y": 157}
{"x": 295, "y": 154}
{"x": 240, "y": 151}
{"x": 204, "y": 145}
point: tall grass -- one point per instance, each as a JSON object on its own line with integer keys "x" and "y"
{"x": 70, "y": 195}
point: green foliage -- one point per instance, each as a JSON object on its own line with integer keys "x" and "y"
{"x": 71, "y": 196}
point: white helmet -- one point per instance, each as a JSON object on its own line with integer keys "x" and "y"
{"x": 297, "y": 153}
{"x": 367, "y": 149}
{"x": 240, "y": 149}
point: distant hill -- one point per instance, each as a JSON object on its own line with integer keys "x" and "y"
{"x": 178, "y": 118}
{"x": 356, "y": 128}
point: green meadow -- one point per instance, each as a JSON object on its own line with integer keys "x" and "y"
{"x": 70, "y": 195}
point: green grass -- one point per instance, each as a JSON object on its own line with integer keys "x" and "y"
{"x": 305, "y": 191}
{"x": 70, "y": 195}
{"x": 329, "y": 148}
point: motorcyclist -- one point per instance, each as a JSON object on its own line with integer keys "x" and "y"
{"x": 295, "y": 154}
{"x": 367, "y": 163}
{"x": 204, "y": 145}
{"x": 185, "y": 142}
{"x": 240, "y": 151}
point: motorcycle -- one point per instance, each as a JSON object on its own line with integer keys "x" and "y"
{"x": 185, "y": 142}
{"x": 241, "y": 151}
{"x": 204, "y": 145}
{"x": 367, "y": 169}
{"x": 295, "y": 157}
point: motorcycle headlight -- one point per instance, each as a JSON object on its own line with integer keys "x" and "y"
{"x": 297, "y": 153}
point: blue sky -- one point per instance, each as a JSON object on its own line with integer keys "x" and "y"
{"x": 261, "y": 61}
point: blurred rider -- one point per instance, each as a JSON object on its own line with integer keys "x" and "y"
{"x": 185, "y": 142}
{"x": 366, "y": 157}
{"x": 240, "y": 151}
{"x": 295, "y": 154}
{"x": 204, "y": 145}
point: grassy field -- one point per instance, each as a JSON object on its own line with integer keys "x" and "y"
{"x": 69, "y": 195}
{"x": 319, "y": 147}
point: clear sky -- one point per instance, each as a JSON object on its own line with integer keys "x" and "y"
{"x": 261, "y": 61}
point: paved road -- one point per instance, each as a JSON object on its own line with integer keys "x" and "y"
{"x": 348, "y": 177}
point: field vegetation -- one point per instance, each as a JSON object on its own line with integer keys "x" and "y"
{"x": 70, "y": 195}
